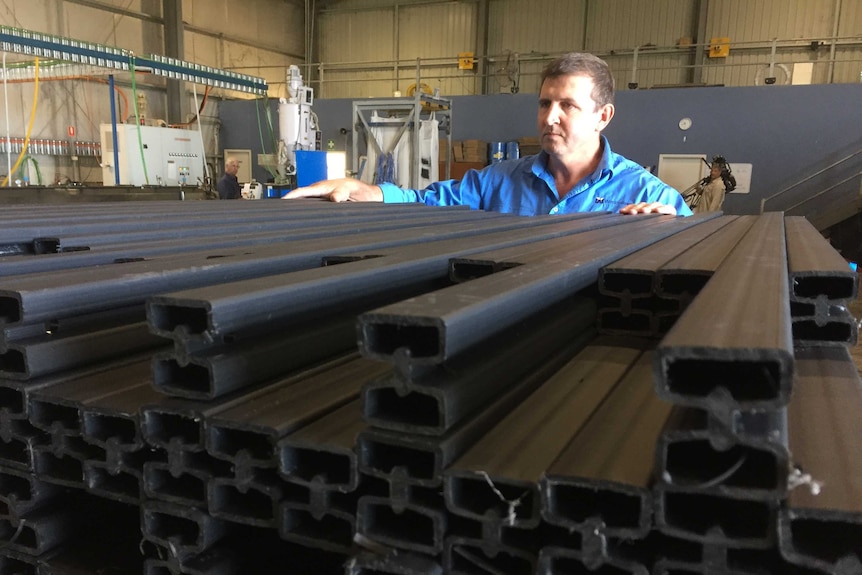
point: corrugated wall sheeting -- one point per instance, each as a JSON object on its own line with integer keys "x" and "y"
{"x": 437, "y": 31}
{"x": 526, "y": 26}
{"x": 364, "y": 84}
{"x": 603, "y": 26}
{"x": 264, "y": 26}
{"x": 747, "y": 21}
{"x": 365, "y": 36}
{"x": 625, "y": 24}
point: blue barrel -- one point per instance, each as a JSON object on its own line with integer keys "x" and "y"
{"x": 512, "y": 151}
{"x": 496, "y": 152}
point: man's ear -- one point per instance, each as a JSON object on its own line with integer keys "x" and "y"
{"x": 605, "y": 114}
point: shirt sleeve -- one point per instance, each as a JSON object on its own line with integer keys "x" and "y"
{"x": 463, "y": 192}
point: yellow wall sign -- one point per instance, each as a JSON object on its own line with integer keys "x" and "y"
{"x": 719, "y": 47}
{"x": 465, "y": 60}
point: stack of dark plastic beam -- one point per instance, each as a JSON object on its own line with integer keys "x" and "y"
{"x": 727, "y": 467}
{"x": 645, "y": 293}
{"x": 821, "y": 288}
{"x": 480, "y": 363}
{"x": 199, "y": 389}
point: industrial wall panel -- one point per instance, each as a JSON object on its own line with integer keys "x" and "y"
{"x": 651, "y": 70}
{"x": 746, "y": 21}
{"x": 525, "y": 27}
{"x": 363, "y": 36}
{"x": 99, "y": 26}
{"x": 625, "y": 24}
{"x": 437, "y": 31}
{"x": 348, "y": 84}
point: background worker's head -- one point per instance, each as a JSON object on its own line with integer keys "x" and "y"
{"x": 231, "y": 166}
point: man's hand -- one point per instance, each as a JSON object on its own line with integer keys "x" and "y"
{"x": 342, "y": 190}
{"x": 649, "y": 208}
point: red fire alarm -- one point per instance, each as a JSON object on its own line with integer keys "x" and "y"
{"x": 71, "y": 131}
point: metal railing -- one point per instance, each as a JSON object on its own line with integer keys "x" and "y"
{"x": 811, "y": 177}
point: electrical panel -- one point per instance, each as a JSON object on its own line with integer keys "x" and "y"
{"x": 172, "y": 156}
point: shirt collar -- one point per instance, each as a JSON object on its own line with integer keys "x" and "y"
{"x": 540, "y": 165}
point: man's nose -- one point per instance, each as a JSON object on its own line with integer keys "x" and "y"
{"x": 552, "y": 115}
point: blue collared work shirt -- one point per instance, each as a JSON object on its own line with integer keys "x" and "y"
{"x": 525, "y": 187}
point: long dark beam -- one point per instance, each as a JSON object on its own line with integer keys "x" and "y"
{"x": 821, "y": 286}
{"x": 229, "y": 307}
{"x": 42, "y": 297}
{"x": 46, "y": 354}
{"x": 690, "y": 514}
{"x": 246, "y": 435}
{"x": 22, "y": 492}
{"x": 113, "y": 422}
{"x": 131, "y": 220}
{"x": 630, "y": 304}
{"x": 685, "y": 275}
{"x": 417, "y": 523}
{"x": 601, "y": 482}
{"x": 820, "y": 527}
{"x": 177, "y": 425}
{"x": 15, "y": 393}
{"x": 56, "y": 409}
{"x": 263, "y": 233}
{"x": 219, "y": 370}
{"x": 186, "y": 531}
{"x": 254, "y": 500}
{"x": 495, "y": 260}
{"x": 407, "y": 459}
{"x": 634, "y": 276}
{"x": 497, "y": 480}
{"x": 18, "y": 451}
{"x": 740, "y": 353}
{"x": 440, "y": 325}
{"x": 321, "y": 455}
{"x": 182, "y": 480}
{"x": 431, "y": 401}
{"x": 817, "y": 270}
{"x": 691, "y": 454}
{"x": 118, "y": 480}
{"x": 328, "y": 522}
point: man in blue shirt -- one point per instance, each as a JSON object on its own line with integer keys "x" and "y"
{"x": 576, "y": 171}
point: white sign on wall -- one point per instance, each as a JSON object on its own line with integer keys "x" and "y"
{"x": 742, "y": 173}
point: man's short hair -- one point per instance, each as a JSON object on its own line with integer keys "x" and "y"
{"x": 583, "y": 64}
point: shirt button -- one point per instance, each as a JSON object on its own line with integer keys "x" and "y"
{"x": 554, "y": 210}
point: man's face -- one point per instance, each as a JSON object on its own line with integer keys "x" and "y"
{"x": 232, "y": 168}
{"x": 568, "y": 118}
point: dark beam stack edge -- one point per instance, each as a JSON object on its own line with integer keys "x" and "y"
{"x": 218, "y": 388}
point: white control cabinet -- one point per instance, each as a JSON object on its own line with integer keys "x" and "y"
{"x": 173, "y": 157}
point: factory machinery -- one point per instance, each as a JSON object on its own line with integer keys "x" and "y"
{"x": 140, "y": 153}
{"x": 211, "y": 388}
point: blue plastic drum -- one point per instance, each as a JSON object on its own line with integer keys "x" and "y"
{"x": 512, "y": 151}
{"x": 496, "y": 152}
